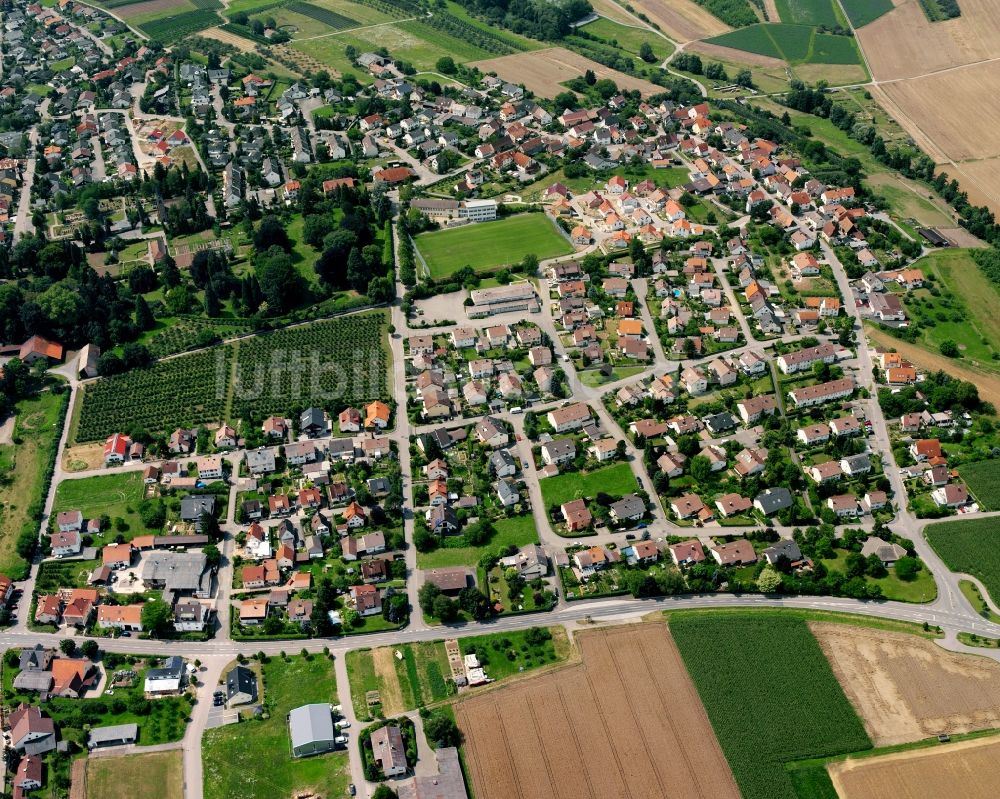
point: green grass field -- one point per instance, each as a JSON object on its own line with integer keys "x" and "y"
{"x": 770, "y": 694}
{"x": 921, "y": 589}
{"x": 965, "y": 312}
{"x": 489, "y": 245}
{"x": 796, "y": 44}
{"x": 627, "y": 38}
{"x": 862, "y": 12}
{"x": 807, "y": 12}
{"x": 983, "y": 479}
{"x": 971, "y": 546}
{"x": 252, "y": 760}
{"x": 115, "y": 495}
{"x": 616, "y": 480}
{"x": 517, "y": 531}
{"x": 23, "y": 467}
{"x": 158, "y": 775}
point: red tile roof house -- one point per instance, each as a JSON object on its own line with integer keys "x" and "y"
{"x": 116, "y": 449}
{"x": 366, "y": 599}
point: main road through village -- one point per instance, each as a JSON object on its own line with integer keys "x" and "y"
{"x": 949, "y": 611}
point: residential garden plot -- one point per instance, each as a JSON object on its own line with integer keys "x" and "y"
{"x": 516, "y": 531}
{"x": 770, "y": 693}
{"x": 617, "y": 480}
{"x": 490, "y": 245}
{"x": 158, "y": 775}
{"x": 624, "y": 722}
{"x": 418, "y": 677}
{"x": 970, "y": 546}
{"x": 906, "y": 688}
{"x": 966, "y": 769}
{"x": 116, "y": 496}
{"x": 252, "y": 760}
{"x": 983, "y": 480}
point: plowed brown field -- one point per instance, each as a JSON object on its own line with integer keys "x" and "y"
{"x": 682, "y": 20}
{"x": 544, "y": 71}
{"x": 967, "y": 770}
{"x": 627, "y": 721}
{"x": 906, "y": 688}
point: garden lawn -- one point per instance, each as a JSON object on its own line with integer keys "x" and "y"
{"x": 922, "y": 588}
{"x": 516, "y": 531}
{"x": 983, "y": 479}
{"x": 158, "y": 775}
{"x": 505, "y": 654}
{"x": 116, "y": 495}
{"x": 616, "y": 480}
{"x": 252, "y": 760}
{"x": 490, "y": 245}
{"x": 971, "y": 546}
{"x": 594, "y": 378}
{"x": 24, "y": 467}
{"x": 770, "y": 694}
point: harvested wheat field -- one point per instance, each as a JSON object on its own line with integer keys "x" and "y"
{"x": 227, "y": 37}
{"x": 614, "y": 12}
{"x": 959, "y": 136}
{"x": 906, "y": 688}
{"x": 682, "y": 20}
{"x": 967, "y": 770}
{"x": 905, "y": 44}
{"x": 981, "y": 179}
{"x": 626, "y": 721}
{"x": 544, "y": 71}
{"x": 391, "y": 693}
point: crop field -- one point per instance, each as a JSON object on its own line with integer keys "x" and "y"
{"x": 544, "y": 71}
{"x": 329, "y": 18}
{"x": 157, "y": 775}
{"x": 797, "y": 710}
{"x": 339, "y": 361}
{"x": 682, "y": 20}
{"x": 188, "y": 391}
{"x": 252, "y": 760}
{"x": 983, "y": 479}
{"x": 807, "y": 12}
{"x": 981, "y": 179}
{"x": 907, "y": 688}
{"x": 863, "y": 12}
{"x": 913, "y": 101}
{"x": 416, "y": 679}
{"x": 624, "y": 722}
{"x": 966, "y": 769}
{"x": 490, "y": 245}
{"x": 903, "y": 43}
{"x": 143, "y": 10}
{"x": 970, "y": 546}
{"x": 616, "y": 481}
{"x": 796, "y": 44}
{"x": 175, "y": 27}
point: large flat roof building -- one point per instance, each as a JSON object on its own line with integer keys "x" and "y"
{"x": 311, "y": 730}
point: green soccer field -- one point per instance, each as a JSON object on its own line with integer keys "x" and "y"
{"x": 490, "y": 245}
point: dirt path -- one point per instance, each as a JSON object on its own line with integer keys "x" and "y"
{"x": 385, "y": 668}
{"x": 771, "y": 9}
{"x": 987, "y": 383}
